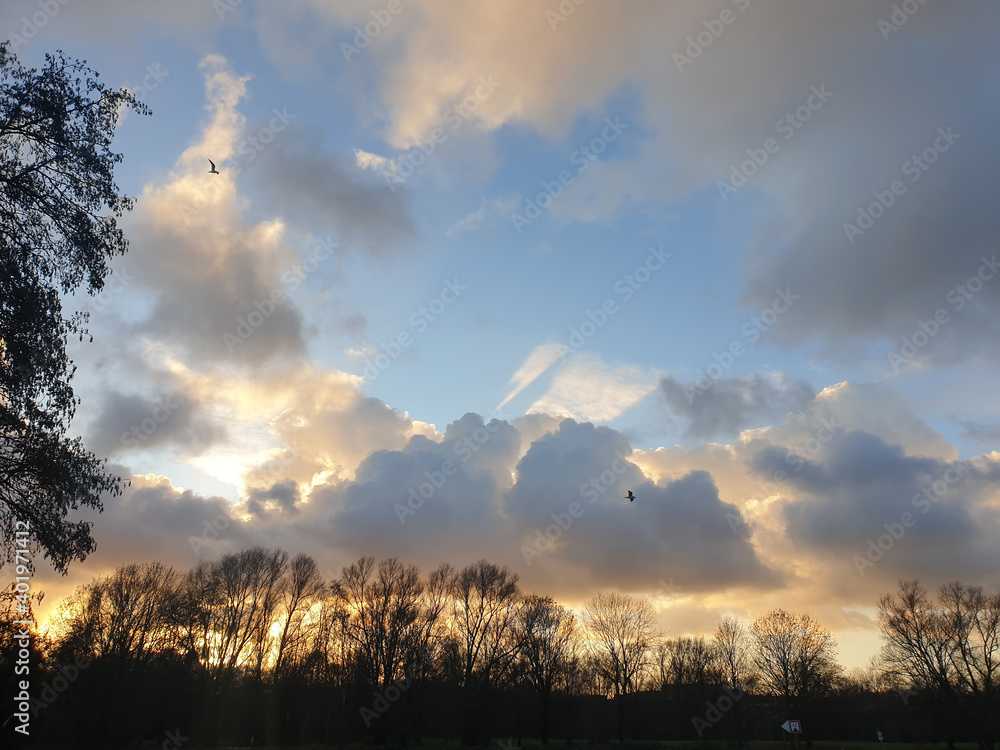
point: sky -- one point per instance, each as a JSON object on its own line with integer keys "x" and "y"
{"x": 470, "y": 271}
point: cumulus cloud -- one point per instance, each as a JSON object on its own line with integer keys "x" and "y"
{"x": 681, "y": 526}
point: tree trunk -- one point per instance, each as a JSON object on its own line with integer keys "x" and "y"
{"x": 545, "y": 718}
{"x": 621, "y": 718}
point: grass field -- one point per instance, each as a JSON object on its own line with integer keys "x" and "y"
{"x": 502, "y": 744}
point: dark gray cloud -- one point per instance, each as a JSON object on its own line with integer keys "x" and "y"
{"x": 428, "y": 502}
{"x": 681, "y": 529}
{"x": 732, "y": 404}
{"x": 128, "y": 422}
{"x": 281, "y": 496}
{"x": 316, "y": 188}
{"x": 879, "y": 285}
{"x": 153, "y": 520}
{"x": 217, "y": 298}
{"x": 860, "y": 488}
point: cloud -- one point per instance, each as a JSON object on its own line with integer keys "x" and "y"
{"x": 316, "y": 188}
{"x": 681, "y": 526}
{"x": 479, "y": 217}
{"x": 733, "y": 403}
{"x": 587, "y": 388}
{"x": 134, "y": 422}
{"x": 863, "y": 488}
{"x": 540, "y": 359}
{"x": 692, "y": 123}
{"x": 216, "y": 284}
{"x": 981, "y": 432}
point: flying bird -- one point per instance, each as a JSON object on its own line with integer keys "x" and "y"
{"x": 213, "y": 170}
{"x": 630, "y": 496}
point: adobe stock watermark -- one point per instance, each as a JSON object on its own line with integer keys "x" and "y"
{"x": 249, "y": 147}
{"x": 914, "y": 168}
{"x": 787, "y": 126}
{"x": 363, "y": 35}
{"x": 51, "y": 690}
{"x": 22, "y": 637}
{"x": 210, "y": 532}
{"x": 419, "y": 320}
{"x": 48, "y": 9}
{"x": 165, "y": 407}
{"x": 796, "y": 458}
{"x": 752, "y": 329}
{"x": 624, "y": 287}
{"x": 958, "y": 296}
{"x": 900, "y": 15}
{"x": 155, "y": 75}
{"x": 384, "y": 700}
{"x": 704, "y": 39}
{"x": 562, "y": 13}
{"x": 175, "y": 740}
{"x": 114, "y": 285}
{"x": 593, "y": 488}
{"x": 406, "y": 165}
{"x": 581, "y": 159}
{"x": 463, "y": 449}
{"x": 222, "y": 7}
{"x": 264, "y": 309}
{"x": 923, "y": 501}
{"x": 714, "y": 711}
{"x": 669, "y": 589}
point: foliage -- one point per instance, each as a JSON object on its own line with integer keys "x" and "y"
{"x": 59, "y": 207}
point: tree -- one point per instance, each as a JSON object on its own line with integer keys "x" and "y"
{"x": 484, "y": 605}
{"x": 385, "y": 607}
{"x": 733, "y": 653}
{"x": 950, "y": 652}
{"x": 622, "y": 627}
{"x": 795, "y": 659}
{"x": 302, "y": 589}
{"x": 122, "y": 622}
{"x": 736, "y": 670}
{"x": 58, "y": 231}
{"x": 545, "y": 633}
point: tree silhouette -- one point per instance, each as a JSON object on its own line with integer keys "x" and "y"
{"x": 622, "y": 626}
{"x": 58, "y": 231}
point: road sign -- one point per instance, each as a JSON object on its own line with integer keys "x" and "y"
{"x": 792, "y": 726}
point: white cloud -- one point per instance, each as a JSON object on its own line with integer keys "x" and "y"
{"x": 586, "y": 388}
{"x": 541, "y": 358}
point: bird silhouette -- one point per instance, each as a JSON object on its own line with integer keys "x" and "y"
{"x": 213, "y": 170}
{"x": 630, "y": 496}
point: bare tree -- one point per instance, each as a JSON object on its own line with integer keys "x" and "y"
{"x": 733, "y": 650}
{"x": 622, "y": 628}
{"x": 125, "y": 617}
{"x": 687, "y": 661}
{"x": 736, "y": 670}
{"x": 385, "y": 615}
{"x": 302, "y": 588}
{"x": 125, "y": 620}
{"x": 545, "y": 633}
{"x": 950, "y": 651}
{"x": 484, "y": 605}
{"x": 795, "y": 658}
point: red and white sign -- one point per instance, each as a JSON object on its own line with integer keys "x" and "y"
{"x": 792, "y": 726}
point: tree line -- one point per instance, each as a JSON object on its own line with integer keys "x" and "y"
{"x": 260, "y": 646}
